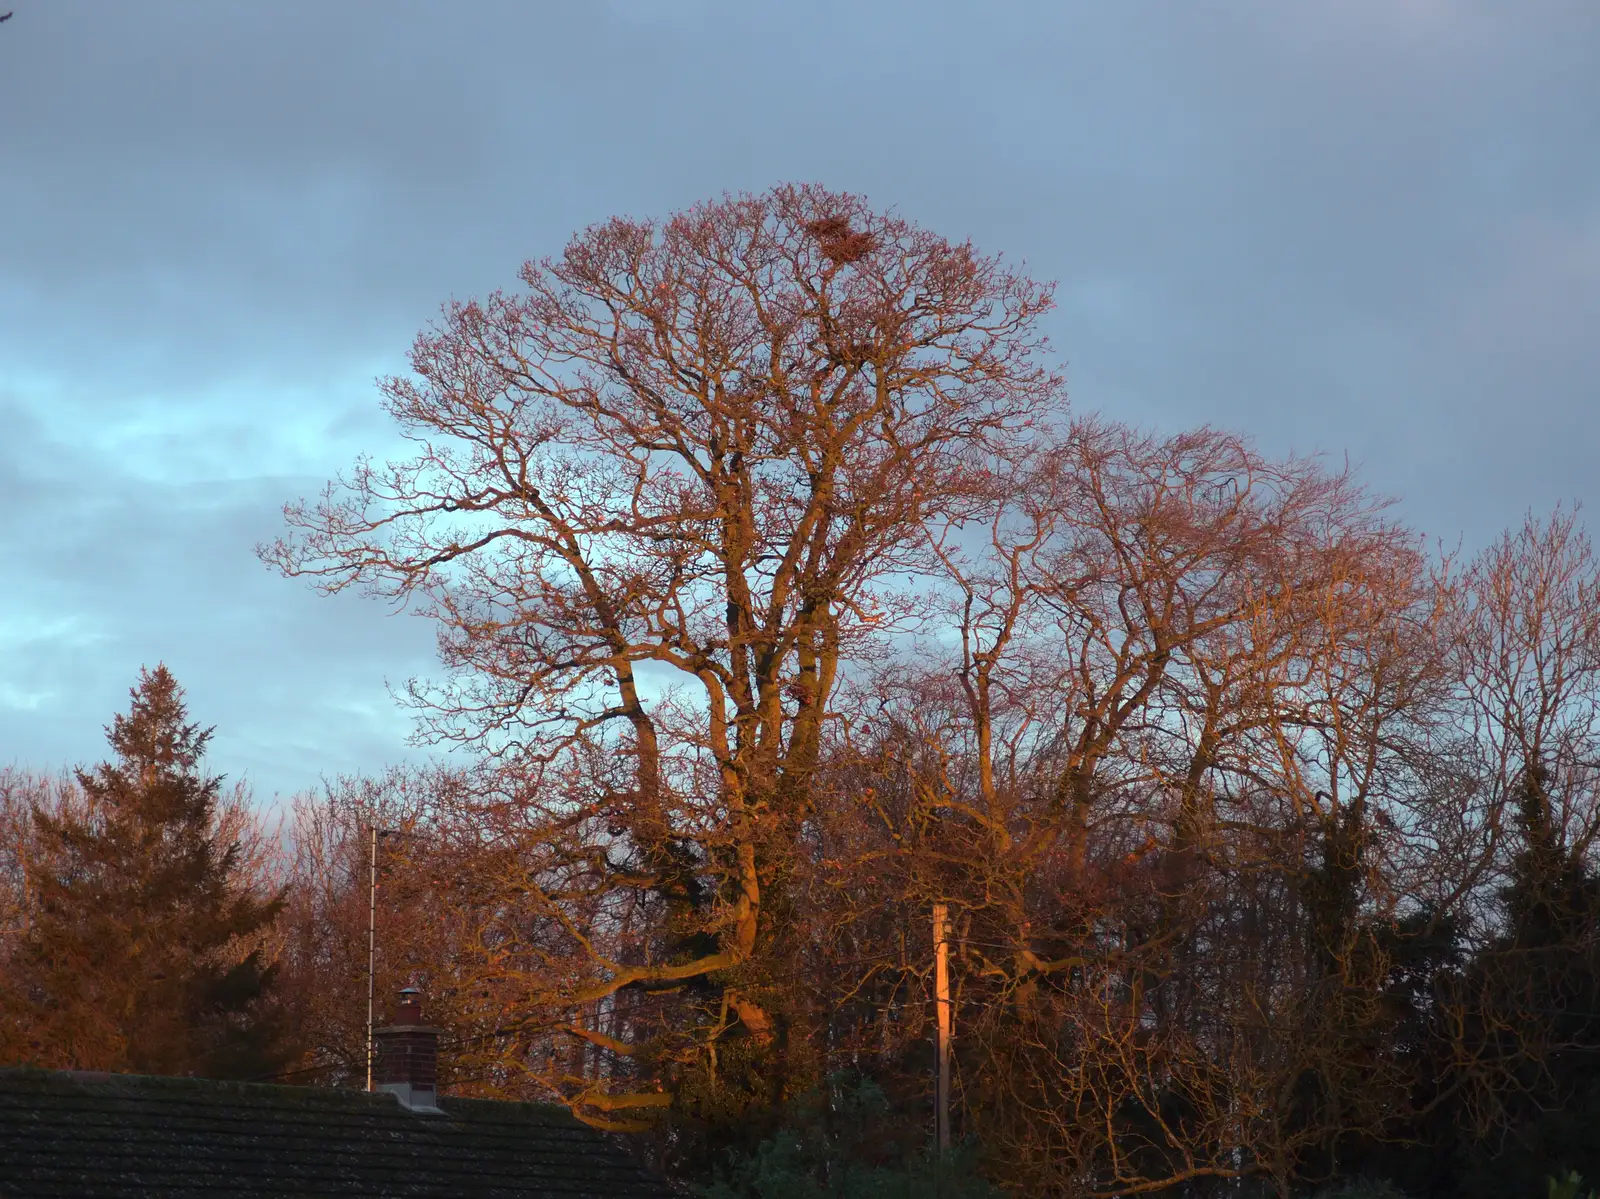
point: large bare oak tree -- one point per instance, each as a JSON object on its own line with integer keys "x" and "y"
{"x": 660, "y": 497}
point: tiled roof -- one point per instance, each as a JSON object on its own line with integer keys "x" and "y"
{"x": 93, "y": 1135}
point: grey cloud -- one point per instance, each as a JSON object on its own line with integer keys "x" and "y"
{"x": 105, "y": 578}
{"x": 1370, "y": 227}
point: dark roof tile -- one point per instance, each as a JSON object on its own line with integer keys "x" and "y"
{"x": 83, "y": 1135}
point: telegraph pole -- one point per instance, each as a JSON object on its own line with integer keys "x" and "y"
{"x": 372, "y": 944}
{"x": 941, "y": 991}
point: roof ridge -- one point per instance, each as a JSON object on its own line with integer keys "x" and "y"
{"x": 179, "y": 1082}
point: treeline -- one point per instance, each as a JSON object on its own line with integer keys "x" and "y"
{"x": 782, "y": 597}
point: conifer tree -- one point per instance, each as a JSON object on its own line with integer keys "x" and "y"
{"x": 139, "y": 958}
{"x": 1541, "y": 982}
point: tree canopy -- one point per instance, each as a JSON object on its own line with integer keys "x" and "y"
{"x": 783, "y": 598}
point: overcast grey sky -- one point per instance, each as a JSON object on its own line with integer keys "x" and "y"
{"x": 1363, "y": 226}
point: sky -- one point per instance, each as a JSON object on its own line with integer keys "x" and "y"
{"x": 1368, "y": 229}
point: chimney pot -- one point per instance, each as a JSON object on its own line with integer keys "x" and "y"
{"x": 410, "y": 1009}
{"x": 407, "y": 1064}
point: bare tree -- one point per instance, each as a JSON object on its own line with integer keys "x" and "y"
{"x": 1188, "y": 679}
{"x": 660, "y": 500}
{"x": 1525, "y": 632}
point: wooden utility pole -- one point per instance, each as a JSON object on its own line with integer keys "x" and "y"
{"x": 941, "y": 991}
{"x": 372, "y": 945}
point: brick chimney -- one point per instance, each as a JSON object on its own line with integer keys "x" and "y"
{"x": 407, "y": 1056}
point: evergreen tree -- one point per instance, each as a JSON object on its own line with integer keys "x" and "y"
{"x": 138, "y": 957}
{"x": 1508, "y": 1067}
{"x": 1542, "y": 979}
